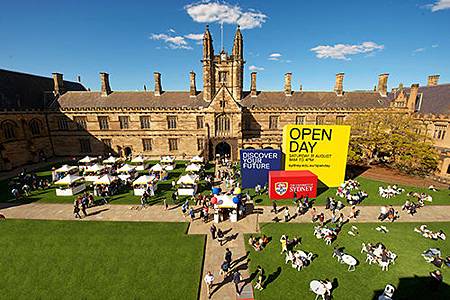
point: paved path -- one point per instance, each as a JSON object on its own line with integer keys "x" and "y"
{"x": 214, "y": 254}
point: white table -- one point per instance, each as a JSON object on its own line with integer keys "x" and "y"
{"x": 350, "y": 261}
{"x": 318, "y": 288}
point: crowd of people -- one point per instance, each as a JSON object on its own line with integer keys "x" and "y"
{"x": 345, "y": 191}
{"x": 25, "y": 183}
{"x": 258, "y": 243}
{"x": 425, "y": 232}
{"x": 389, "y": 191}
{"x": 388, "y": 213}
{"x": 378, "y": 253}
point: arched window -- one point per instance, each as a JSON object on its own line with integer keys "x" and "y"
{"x": 223, "y": 125}
{"x": 35, "y": 127}
{"x": 9, "y": 130}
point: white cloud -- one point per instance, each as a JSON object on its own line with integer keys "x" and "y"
{"x": 419, "y": 50}
{"x": 255, "y": 68}
{"x": 172, "y": 30}
{"x": 434, "y": 46}
{"x": 439, "y": 5}
{"x": 342, "y": 51}
{"x": 173, "y": 42}
{"x": 223, "y": 12}
{"x": 197, "y": 37}
{"x": 275, "y": 56}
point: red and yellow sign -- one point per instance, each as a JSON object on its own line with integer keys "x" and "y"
{"x": 283, "y": 184}
{"x": 321, "y": 149}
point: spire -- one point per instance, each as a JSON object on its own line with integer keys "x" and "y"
{"x": 238, "y": 44}
{"x": 208, "y": 51}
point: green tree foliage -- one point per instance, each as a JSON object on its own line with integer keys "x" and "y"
{"x": 394, "y": 140}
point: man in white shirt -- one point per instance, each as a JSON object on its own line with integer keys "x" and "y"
{"x": 209, "y": 279}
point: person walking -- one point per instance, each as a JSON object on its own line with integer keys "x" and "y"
{"x": 83, "y": 206}
{"x": 165, "y": 204}
{"x": 209, "y": 279}
{"x": 259, "y": 278}
{"x": 224, "y": 268}
{"x": 286, "y": 214}
{"x": 192, "y": 214}
{"x": 228, "y": 256}
{"x": 236, "y": 281}
{"x": 76, "y": 210}
{"x": 274, "y": 207}
{"x": 220, "y": 236}
{"x": 213, "y": 230}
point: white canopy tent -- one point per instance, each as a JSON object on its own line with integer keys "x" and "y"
{"x": 126, "y": 168}
{"x": 106, "y": 179}
{"x": 70, "y": 185}
{"x": 87, "y": 160}
{"x": 188, "y": 179}
{"x": 144, "y": 183}
{"x": 167, "y": 159}
{"x": 197, "y": 159}
{"x": 193, "y": 168}
{"x": 157, "y": 168}
{"x": 111, "y": 160}
{"x": 138, "y": 159}
{"x": 66, "y": 169}
{"x": 95, "y": 168}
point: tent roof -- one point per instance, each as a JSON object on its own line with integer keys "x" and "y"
{"x": 197, "y": 159}
{"x": 138, "y": 159}
{"x": 87, "y": 159}
{"x": 187, "y": 179}
{"x": 111, "y": 160}
{"x": 126, "y": 168}
{"x": 193, "y": 168}
{"x": 144, "y": 179}
{"x": 167, "y": 159}
{"x": 157, "y": 168}
{"x": 95, "y": 168}
{"x": 105, "y": 179}
{"x": 66, "y": 168}
{"x": 68, "y": 179}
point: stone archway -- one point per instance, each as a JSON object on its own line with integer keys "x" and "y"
{"x": 223, "y": 149}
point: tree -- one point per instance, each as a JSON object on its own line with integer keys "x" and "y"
{"x": 391, "y": 139}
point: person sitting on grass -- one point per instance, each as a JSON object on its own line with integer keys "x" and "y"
{"x": 436, "y": 279}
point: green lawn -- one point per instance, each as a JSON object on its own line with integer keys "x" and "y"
{"x": 98, "y": 260}
{"x": 288, "y": 283}
{"x": 441, "y": 197}
{"x": 164, "y": 191}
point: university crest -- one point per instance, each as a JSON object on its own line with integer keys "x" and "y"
{"x": 281, "y": 188}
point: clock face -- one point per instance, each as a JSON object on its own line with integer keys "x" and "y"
{"x": 223, "y": 56}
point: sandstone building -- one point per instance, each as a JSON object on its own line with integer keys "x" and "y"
{"x": 220, "y": 119}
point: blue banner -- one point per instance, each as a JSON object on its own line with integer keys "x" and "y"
{"x": 256, "y": 164}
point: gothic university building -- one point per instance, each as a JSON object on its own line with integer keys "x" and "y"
{"x": 45, "y": 117}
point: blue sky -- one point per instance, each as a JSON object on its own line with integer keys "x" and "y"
{"x": 312, "y": 39}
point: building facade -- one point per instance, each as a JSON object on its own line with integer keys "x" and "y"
{"x": 221, "y": 119}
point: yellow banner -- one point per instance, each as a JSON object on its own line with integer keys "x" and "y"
{"x": 321, "y": 149}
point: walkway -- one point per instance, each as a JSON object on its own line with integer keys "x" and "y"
{"x": 214, "y": 254}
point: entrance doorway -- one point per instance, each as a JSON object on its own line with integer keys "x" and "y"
{"x": 127, "y": 151}
{"x": 223, "y": 149}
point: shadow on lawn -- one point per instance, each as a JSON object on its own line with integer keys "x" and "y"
{"x": 418, "y": 288}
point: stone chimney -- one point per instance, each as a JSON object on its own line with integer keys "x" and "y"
{"x": 287, "y": 84}
{"x": 192, "y": 87}
{"x": 382, "y": 84}
{"x": 158, "y": 88}
{"x": 104, "y": 79}
{"x": 413, "y": 92}
{"x": 339, "y": 84}
{"x": 253, "y": 91}
{"x": 58, "y": 83}
{"x": 433, "y": 80}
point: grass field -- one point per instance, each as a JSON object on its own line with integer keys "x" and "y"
{"x": 407, "y": 275}
{"x": 98, "y": 260}
{"x": 164, "y": 191}
{"x": 441, "y": 197}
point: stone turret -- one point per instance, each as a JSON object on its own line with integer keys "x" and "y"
{"x": 208, "y": 66}
{"x": 58, "y": 83}
{"x": 287, "y": 84}
{"x": 253, "y": 91}
{"x": 433, "y": 80}
{"x": 192, "y": 86}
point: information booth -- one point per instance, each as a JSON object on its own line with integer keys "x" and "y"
{"x": 145, "y": 183}
{"x": 187, "y": 185}
{"x": 70, "y": 185}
